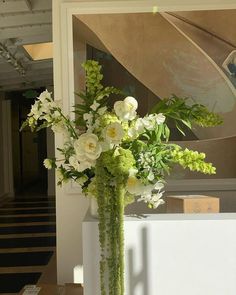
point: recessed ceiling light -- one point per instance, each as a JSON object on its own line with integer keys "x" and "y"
{"x": 39, "y": 51}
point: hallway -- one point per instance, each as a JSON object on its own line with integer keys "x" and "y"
{"x": 27, "y": 242}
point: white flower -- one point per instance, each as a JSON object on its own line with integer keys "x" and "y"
{"x": 46, "y": 107}
{"x": 134, "y": 185}
{"x": 139, "y": 125}
{"x": 59, "y": 128}
{"x": 48, "y": 118}
{"x": 133, "y": 171}
{"x": 45, "y": 96}
{"x": 150, "y": 176}
{"x": 36, "y": 111}
{"x": 114, "y": 133}
{"x": 160, "y": 118}
{"x": 87, "y": 147}
{"x": 126, "y": 109}
{"x": 106, "y": 146}
{"x": 101, "y": 111}
{"x": 56, "y": 115}
{"x": 153, "y": 199}
{"x": 132, "y": 133}
{"x": 158, "y": 185}
{"x": 74, "y": 162}
{"x": 47, "y": 163}
{"x": 85, "y": 165}
{"x": 88, "y": 116}
{"x": 94, "y": 106}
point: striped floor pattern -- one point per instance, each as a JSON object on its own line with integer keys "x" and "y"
{"x": 27, "y": 241}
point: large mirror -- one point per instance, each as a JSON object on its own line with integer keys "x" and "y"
{"x": 190, "y": 54}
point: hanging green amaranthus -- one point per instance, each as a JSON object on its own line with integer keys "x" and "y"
{"x": 112, "y": 171}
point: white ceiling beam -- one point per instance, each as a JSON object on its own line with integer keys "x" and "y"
{"x": 21, "y": 6}
{"x": 19, "y": 80}
{"x": 12, "y": 74}
{"x": 28, "y": 4}
{"x": 42, "y": 4}
{"x": 20, "y": 86}
{"x": 7, "y": 21}
{"x": 44, "y": 29}
{"x": 12, "y": 6}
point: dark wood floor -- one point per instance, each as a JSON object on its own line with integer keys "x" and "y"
{"x": 27, "y": 242}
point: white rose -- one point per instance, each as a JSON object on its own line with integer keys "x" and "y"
{"x": 126, "y": 110}
{"x": 87, "y": 147}
{"x": 114, "y": 133}
{"x": 47, "y": 163}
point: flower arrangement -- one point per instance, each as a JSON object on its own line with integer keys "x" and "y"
{"x": 118, "y": 157}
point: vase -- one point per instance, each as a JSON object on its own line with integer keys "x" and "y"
{"x": 93, "y": 208}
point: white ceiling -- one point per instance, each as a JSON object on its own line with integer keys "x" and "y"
{"x": 25, "y": 22}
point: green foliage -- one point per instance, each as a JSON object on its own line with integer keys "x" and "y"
{"x": 31, "y": 93}
{"x": 95, "y": 91}
{"x": 177, "y": 109}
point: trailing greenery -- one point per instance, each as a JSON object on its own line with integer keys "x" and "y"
{"x": 118, "y": 157}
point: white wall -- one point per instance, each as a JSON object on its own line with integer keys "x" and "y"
{"x": 70, "y": 207}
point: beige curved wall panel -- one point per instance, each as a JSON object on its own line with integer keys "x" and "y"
{"x": 165, "y": 61}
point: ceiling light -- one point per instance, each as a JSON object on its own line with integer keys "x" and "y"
{"x": 40, "y": 51}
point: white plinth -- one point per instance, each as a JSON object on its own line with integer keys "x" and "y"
{"x": 170, "y": 254}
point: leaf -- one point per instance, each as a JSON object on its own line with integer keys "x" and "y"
{"x": 187, "y": 123}
{"x": 42, "y": 126}
{"x": 180, "y": 130}
{"x": 24, "y": 124}
{"x": 167, "y": 132}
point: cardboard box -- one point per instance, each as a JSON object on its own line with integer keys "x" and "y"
{"x": 192, "y": 204}
{"x": 49, "y": 289}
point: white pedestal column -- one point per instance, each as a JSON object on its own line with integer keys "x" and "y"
{"x": 170, "y": 254}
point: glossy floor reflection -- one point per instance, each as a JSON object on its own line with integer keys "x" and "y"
{"x": 27, "y": 241}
